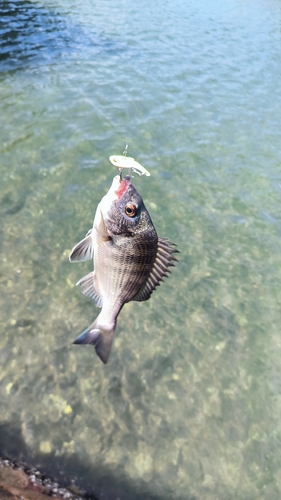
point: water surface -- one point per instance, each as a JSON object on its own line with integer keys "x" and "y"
{"x": 189, "y": 404}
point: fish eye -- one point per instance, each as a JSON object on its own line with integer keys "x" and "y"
{"x": 130, "y": 210}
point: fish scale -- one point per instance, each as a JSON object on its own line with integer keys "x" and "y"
{"x": 130, "y": 260}
{"x": 126, "y": 272}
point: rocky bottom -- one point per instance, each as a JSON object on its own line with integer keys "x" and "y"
{"x": 19, "y": 482}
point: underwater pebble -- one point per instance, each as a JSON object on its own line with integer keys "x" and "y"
{"x": 9, "y": 387}
{"x": 45, "y": 447}
{"x": 143, "y": 463}
{"x": 69, "y": 283}
{"x": 172, "y": 396}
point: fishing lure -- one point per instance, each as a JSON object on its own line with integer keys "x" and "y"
{"x": 122, "y": 161}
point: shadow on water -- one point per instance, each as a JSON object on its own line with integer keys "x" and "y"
{"x": 67, "y": 469}
{"x": 31, "y": 33}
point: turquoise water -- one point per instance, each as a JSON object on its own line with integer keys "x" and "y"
{"x": 189, "y": 404}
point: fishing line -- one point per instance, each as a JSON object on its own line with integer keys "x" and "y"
{"x": 133, "y": 102}
{"x": 124, "y": 161}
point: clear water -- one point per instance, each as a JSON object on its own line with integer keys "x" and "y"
{"x": 189, "y": 405}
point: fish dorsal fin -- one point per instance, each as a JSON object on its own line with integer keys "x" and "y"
{"x": 164, "y": 259}
{"x": 88, "y": 288}
{"x": 83, "y": 250}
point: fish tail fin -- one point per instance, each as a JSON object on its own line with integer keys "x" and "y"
{"x": 100, "y": 336}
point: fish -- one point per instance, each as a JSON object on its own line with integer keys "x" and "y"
{"x": 130, "y": 260}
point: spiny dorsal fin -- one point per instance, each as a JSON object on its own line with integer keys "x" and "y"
{"x": 164, "y": 259}
{"x": 83, "y": 250}
{"x": 88, "y": 288}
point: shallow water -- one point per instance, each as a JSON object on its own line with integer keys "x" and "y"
{"x": 189, "y": 405}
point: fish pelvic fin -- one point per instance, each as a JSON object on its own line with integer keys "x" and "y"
{"x": 100, "y": 336}
{"x": 83, "y": 250}
{"x": 164, "y": 259}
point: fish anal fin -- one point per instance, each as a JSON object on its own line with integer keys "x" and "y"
{"x": 83, "y": 250}
{"x": 164, "y": 259}
{"x": 88, "y": 288}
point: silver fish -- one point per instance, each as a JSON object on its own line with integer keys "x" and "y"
{"x": 130, "y": 260}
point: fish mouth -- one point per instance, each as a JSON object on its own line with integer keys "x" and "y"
{"x": 123, "y": 186}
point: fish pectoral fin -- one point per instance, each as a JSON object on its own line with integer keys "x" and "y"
{"x": 88, "y": 288}
{"x": 83, "y": 250}
{"x": 164, "y": 259}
